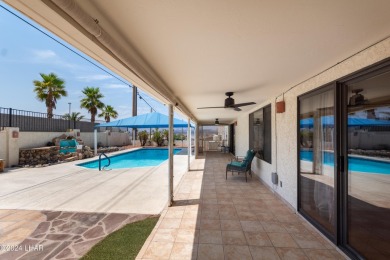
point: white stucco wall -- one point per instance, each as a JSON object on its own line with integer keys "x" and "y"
{"x": 284, "y": 134}
{"x": 36, "y": 139}
{"x": 2, "y": 145}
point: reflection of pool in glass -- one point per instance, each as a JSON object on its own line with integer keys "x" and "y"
{"x": 354, "y": 163}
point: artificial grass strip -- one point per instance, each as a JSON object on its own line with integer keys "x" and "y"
{"x": 124, "y": 243}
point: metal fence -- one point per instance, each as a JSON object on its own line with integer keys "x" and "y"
{"x": 29, "y": 121}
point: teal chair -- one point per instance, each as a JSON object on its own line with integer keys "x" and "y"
{"x": 242, "y": 166}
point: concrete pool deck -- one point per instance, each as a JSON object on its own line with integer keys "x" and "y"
{"x": 67, "y": 187}
{"x": 62, "y": 211}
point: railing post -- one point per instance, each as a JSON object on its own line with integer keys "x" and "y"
{"x": 10, "y": 118}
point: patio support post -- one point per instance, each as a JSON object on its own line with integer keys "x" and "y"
{"x": 170, "y": 146}
{"x": 95, "y": 141}
{"x": 196, "y": 140}
{"x": 189, "y": 148}
{"x": 134, "y": 113}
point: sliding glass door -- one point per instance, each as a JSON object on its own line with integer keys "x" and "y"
{"x": 316, "y": 154}
{"x": 344, "y": 161}
{"x": 368, "y": 165}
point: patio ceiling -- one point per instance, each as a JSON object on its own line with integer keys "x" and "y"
{"x": 201, "y": 49}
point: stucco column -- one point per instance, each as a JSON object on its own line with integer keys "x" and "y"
{"x": 170, "y": 146}
{"x": 189, "y": 148}
{"x": 196, "y": 140}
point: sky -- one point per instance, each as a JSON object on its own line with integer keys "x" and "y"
{"x": 25, "y": 52}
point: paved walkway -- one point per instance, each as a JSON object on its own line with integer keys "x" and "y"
{"x": 214, "y": 218}
{"x": 28, "y": 234}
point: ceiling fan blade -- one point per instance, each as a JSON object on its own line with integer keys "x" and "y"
{"x": 209, "y": 107}
{"x": 237, "y": 109}
{"x": 244, "y": 104}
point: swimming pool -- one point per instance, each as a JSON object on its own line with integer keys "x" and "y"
{"x": 354, "y": 163}
{"x": 138, "y": 158}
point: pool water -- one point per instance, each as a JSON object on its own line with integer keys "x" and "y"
{"x": 354, "y": 163}
{"x": 138, "y": 158}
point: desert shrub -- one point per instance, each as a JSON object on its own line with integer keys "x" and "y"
{"x": 143, "y": 137}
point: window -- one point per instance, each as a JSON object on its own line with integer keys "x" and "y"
{"x": 260, "y": 138}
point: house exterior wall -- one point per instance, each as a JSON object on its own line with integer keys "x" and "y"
{"x": 284, "y": 133}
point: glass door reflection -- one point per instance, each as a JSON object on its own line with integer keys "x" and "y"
{"x": 368, "y": 147}
{"x": 316, "y": 159}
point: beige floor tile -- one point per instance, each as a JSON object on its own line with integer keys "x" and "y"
{"x": 191, "y": 214}
{"x": 233, "y": 238}
{"x": 307, "y": 241}
{"x": 265, "y": 216}
{"x": 210, "y": 252}
{"x": 232, "y": 225}
{"x": 263, "y": 253}
{"x": 212, "y": 224}
{"x": 282, "y": 240}
{"x": 210, "y": 213}
{"x": 257, "y": 238}
{"x": 210, "y": 201}
{"x": 289, "y": 218}
{"x": 190, "y": 224}
{"x": 273, "y": 227}
{"x": 249, "y": 225}
{"x": 225, "y": 202}
{"x": 226, "y": 207}
{"x": 319, "y": 254}
{"x": 165, "y": 235}
{"x": 210, "y": 237}
{"x": 192, "y": 207}
{"x": 337, "y": 255}
{"x": 246, "y": 215}
{"x": 291, "y": 254}
{"x": 169, "y": 223}
{"x": 174, "y": 214}
{"x": 187, "y": 236}
{"x": 295, "y": 228}
{"x": 158, "y": 250}
{"x": 235, "y": 252}
{"x": 184, "y": 251}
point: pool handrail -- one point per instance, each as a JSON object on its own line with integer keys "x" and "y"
{"x": 100, "y": 161}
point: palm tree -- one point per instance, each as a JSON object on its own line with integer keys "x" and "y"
{"x": 75, "y": 116}
{"x": 49, "y": 90}
{"x": 92, "y": 101}
{"x": 108, "y": 112}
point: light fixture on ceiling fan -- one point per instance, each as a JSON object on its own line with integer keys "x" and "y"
{"x": 357, "y": 99}
{"x": 229, "y": 103}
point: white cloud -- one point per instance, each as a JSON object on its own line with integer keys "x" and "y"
{"x": 117, "y": 86}
{"x": 44, "y": 54}
{"x": 89, "y": 78}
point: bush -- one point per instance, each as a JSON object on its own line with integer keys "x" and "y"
{"x": 143, "y": 137}
{"x": 165, "y": 134}
{"x": 158, "y": 137}
{"x": 50, "y": 144}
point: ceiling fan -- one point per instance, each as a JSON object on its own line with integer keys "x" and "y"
{"x": 229, "y": 103}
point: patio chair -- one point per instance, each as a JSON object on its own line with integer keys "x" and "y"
{"x": 243, "y": 165}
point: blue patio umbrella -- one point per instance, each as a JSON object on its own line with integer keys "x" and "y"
{"x": 150, "y": 120}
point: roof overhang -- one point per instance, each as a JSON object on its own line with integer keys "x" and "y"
{"x": 189, "y": 53}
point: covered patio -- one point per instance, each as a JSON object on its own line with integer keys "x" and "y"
{"x": 214, "y": 218}
{"x": 285, "y": 60}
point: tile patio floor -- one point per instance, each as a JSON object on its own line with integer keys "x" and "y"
{"x": 214, "y": 218}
